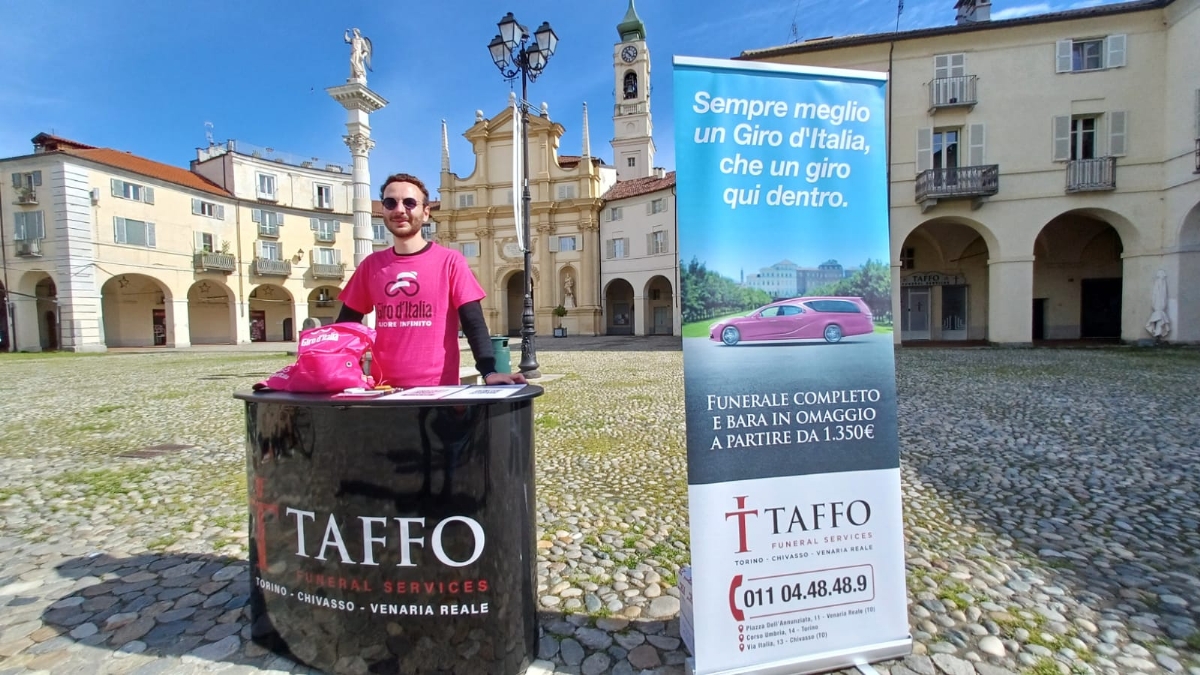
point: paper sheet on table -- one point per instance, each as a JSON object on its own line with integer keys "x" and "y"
{"x": 496, "y": 391}
{"x": 423, "y": 393}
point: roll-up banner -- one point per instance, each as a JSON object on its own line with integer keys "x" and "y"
{"x": 793, "y": 458}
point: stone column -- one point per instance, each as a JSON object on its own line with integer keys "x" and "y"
{"x": 897, "y": 291}
{"x": 640, "y": 310}
{"x": 359, "y": 102}
{"x": 178, "y": 324}
{"x": 299, "y": 314}
{"x": 1010, "y": 300}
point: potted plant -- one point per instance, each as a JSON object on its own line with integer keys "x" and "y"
{"x": 559, "y": 330}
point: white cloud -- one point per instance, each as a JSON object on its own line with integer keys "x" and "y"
{"x": 1023, "y": 10}
{"x": 1086, "y": 3}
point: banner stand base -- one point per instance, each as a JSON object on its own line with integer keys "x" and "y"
{"x": 857, "y": 657}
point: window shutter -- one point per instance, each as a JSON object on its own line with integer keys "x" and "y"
{"x": 278, "y": 217}
{"x": 258, "y": 249}
{"x": 119, "y": 229}
{"x": 626, "y": 251}
{"x": 1116, "y": 133}
{"x": 220, "y": 212}
{"x": 16, "y": 178}
{"x": 41, "y": 225}
{"x": 649, "y": 243}
{"x": 607, "y": 215}
{"x": 199, "y": 241}
{"x": 148, "y": 195}
{"x": 337, "y": 226}
{"x": 941, "y": 66}
{"x": 195, "y": 206}
{"x": 1062, "y": 60}
{"x": 150, "y": 235}
{"x": 337, "y": 256}
{"x": 975, "y": 145}
{"x": 958, "y": 65}
{"x": 314, "y": 224}
{"x": 924, "y": 149}
{"x": 610, "y": 248}
{"x": 579, "y": 243}
{"x": 118, "y": 189}
{"x": 19, "y": 226}
{"x": 1114, "y": 51}
{"x": 1062, "y": 138}
{"x": 37, "y": 178}
{"x": 256, "y": 215}
{"x": 1198, "y": 113}
{"x": 650, "y": 207}
{"x": 553, "y": 244}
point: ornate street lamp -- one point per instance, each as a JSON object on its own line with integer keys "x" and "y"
{"x": 515, "y": 54}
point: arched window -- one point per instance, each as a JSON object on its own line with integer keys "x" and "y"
{"x": 631, "y": 85}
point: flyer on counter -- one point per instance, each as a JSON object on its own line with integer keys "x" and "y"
{"x": 488, "y": 391}
{"x": 423, "y": 393}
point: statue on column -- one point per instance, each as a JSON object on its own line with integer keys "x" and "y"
{"x": 360, "y": 54}
{"x": 569, "y": 292}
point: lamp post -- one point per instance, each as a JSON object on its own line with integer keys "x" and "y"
{"x": 516, "y": 55}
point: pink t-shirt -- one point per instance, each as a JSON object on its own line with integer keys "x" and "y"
{"x": 415, "y": 299}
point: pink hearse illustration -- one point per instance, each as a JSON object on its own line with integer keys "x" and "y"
{"x": 828, "y": 318}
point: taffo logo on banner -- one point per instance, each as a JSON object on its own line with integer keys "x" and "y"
{"x": 790, "y": 393}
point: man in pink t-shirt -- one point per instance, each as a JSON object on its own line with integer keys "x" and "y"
{"x": 415, "y": 289}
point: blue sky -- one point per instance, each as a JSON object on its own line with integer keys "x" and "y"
{"x": 146, "y": 76}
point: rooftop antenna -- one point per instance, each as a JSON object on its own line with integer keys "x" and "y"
{"x": 208, "y": 133}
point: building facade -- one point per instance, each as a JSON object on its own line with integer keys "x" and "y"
{"x": 103, "y": 248}
{"x": 1043, "y": 170}
{"x": 639, "y": 273}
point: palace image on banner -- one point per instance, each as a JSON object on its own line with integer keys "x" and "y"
{"x": 793, "y": 460}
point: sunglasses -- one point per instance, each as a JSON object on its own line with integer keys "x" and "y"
{"x": 391, "y": 204}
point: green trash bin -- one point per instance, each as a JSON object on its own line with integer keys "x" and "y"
{"x": 503, "y": 354}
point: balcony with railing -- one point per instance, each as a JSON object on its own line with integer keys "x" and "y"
{"x": 953, "y": 92}
{"x": 267, "y": 267}
{"x": 325, "y": 237}
{"x": 1092, "y": 175}
{"x": 214, "y": 262}
{"x": 29, "y": 248}
{"x": 629, "y": 109}
{"x": 26, "y": 195}
{"x": 957, "y": 182}
{"x": 328, "y": 270}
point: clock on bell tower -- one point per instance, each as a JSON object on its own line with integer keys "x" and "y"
{"x": 632, "y": 144}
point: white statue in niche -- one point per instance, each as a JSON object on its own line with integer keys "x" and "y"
{"x": 360, "y": 55}
{"x": 569, "y": 292}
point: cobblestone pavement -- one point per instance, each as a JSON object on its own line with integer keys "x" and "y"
{"x": 1050, "y": 506}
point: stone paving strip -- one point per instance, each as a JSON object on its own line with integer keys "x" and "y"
{"x": 1050, "y": 496}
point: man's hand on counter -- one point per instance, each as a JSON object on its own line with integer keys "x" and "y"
{"x": 504, "y": 378}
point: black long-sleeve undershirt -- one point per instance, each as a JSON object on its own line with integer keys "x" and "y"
{"x": 474, "y": 327}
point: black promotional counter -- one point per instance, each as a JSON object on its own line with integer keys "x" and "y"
{"x": 393, "y": 536}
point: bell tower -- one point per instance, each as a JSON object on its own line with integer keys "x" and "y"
{"x": 632, "y": 143}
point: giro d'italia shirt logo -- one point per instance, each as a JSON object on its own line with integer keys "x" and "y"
{"x": 406, "y": 283}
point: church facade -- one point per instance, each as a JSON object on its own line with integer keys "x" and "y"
{"x": 580, "y": 263}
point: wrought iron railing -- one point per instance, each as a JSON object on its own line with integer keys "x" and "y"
{"x": 325, "y": 237}
{"x": 947, "y": 92}
{"x": 329, "y": 271}
{"x": 214, "y": 262}
{"x": 268, "y": 267}
{"x": 1088, "y": 175}
{"x": 26, "y": 195}
{"x": 958, "y": 181}
{"x": 265, "y": 230}
{"x": 29, "y": 247}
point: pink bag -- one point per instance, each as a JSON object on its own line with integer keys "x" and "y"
{"x": 328, "y": 359}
